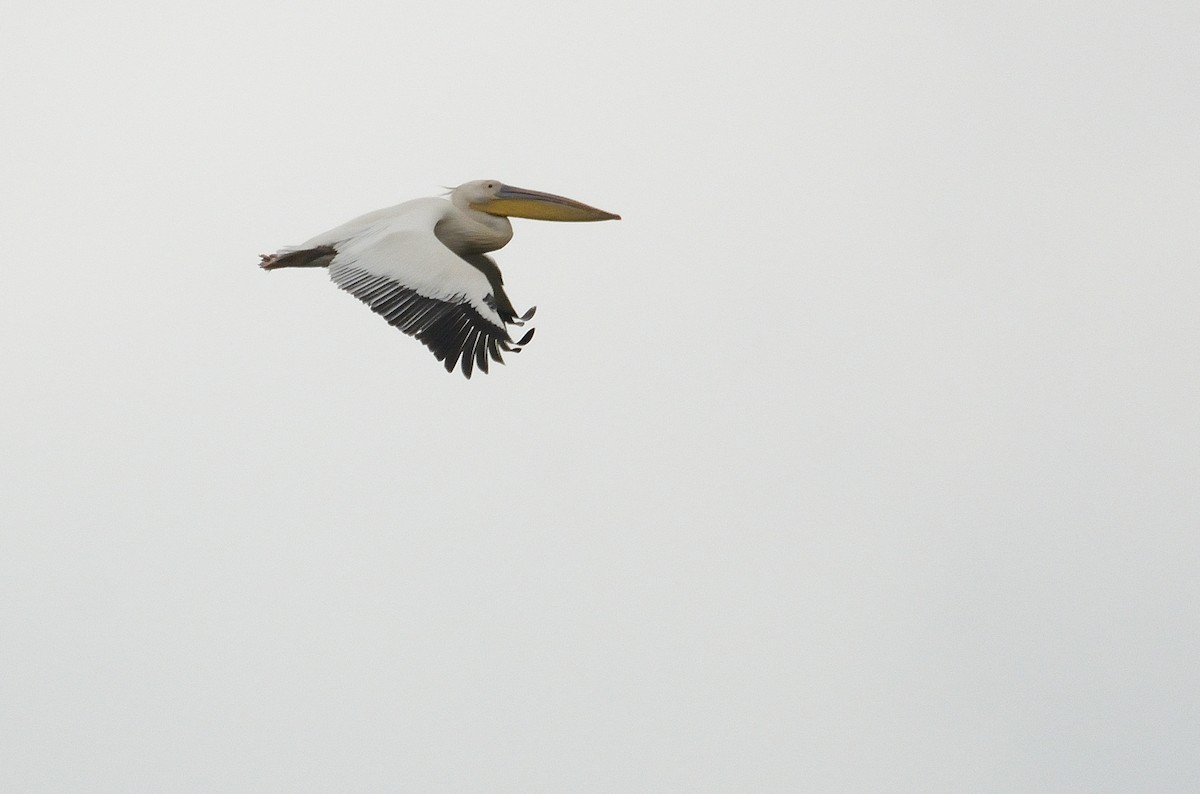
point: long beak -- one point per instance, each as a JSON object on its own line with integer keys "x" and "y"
{"x": 517, "y": 202}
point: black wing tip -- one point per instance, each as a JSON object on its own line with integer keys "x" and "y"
{"x": 457, "y": 334}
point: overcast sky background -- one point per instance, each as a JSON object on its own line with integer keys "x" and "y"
{"x": 863, "y": 454}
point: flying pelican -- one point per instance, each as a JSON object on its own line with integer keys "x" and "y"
{"x": 422, "y": 265}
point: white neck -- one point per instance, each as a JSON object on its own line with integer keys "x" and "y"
{"x": 468, "y": 231}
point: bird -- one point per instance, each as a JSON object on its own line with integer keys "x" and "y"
{"x": 423, "y": 266}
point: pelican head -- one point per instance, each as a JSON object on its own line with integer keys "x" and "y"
{"x": 496, "y": 198}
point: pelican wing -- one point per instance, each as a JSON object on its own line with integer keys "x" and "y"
{"x": 406, "y": 275}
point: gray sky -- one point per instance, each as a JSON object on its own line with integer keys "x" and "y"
{"x": 863, "y": 454}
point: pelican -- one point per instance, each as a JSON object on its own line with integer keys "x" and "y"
{"x": 423, "y": 265}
